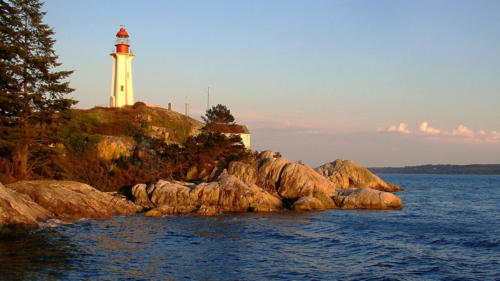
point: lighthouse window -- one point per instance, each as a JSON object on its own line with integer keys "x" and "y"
{"x": 121, "y": 88}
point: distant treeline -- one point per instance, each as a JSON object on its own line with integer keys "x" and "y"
{"x": 477, "y": 169}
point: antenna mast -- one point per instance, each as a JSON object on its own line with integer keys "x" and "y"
{"x": 208, "y": 98}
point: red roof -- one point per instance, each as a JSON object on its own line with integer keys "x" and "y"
{"x": 122, "y": 33}
{"x": 228, "y": 128}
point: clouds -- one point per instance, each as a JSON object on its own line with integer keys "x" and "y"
{"x": 402, "y": 128}
{"x": 425, "y": 128}
{"x": 463, "y": 131}
{"x": 461, "y": 134}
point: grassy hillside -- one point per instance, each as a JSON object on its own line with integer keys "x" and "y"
{"x": 135, "y": 120}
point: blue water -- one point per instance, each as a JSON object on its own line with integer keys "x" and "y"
{"x": 449, "y": 229}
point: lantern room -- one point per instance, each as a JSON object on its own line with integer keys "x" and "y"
{"x": 122, "y": 41}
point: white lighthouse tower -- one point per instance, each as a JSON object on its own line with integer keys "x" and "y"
{"x": 122, "y": 91}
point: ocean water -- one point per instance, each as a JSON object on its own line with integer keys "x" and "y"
{"x": 449, "y": 229}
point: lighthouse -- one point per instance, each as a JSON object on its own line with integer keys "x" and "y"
{"x": 122, "y": 91}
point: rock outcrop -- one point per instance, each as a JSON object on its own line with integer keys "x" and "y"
{"x": 284, "y": 179}
{"x": 269, "y": 173}
{"x": 268, "y": 154}
{"x": 68, "y": 200}
{"x": 227, "y": 194}
{"x": 270, "y": 182}
{"x": 113, "y": 147}
{"x": 18, "y": 213}
{"x": 347, "y": 174}
{"x": 367, "y": 198}
{"x": 302, "y": 188}
{"x": 298, "y": 180}
{"x": 246, "y": 172}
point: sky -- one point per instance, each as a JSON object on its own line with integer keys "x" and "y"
{"x": 383, "y": 83}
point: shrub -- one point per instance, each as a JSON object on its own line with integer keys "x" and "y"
{"x": 78, "y": 143}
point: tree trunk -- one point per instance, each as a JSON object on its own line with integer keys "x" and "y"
{"x": 21, "y": 161}
{"x": 21, "y": 155}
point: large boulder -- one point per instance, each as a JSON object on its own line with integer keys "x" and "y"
{"x": 268, "y": 154}
{"x": 246, "y": 172}
{"x": 238, "y": 196}
{"x": 227, "y": 194}
{"x": 161, "y": 193}
{"x": 347, "y": 174}
{"x": 308, "y": 204}
{"x": 18, "y": 213}
{"x": 367, "y": 198}
{"x": 265, "y": 172}
{"x": 269, "y": 173}
{"x": 68, "y": 200}
{"x": 284, "y": 179}
{"x": 298, "y": 180}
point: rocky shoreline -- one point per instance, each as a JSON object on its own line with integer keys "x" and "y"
{"x": 26, "y": 204}
{"x": 269, "y": 183}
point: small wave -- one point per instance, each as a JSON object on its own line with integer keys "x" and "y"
{"x": 260, "y": 219}
{"x": 382, "y": 264}
{"x": 425, "y": 269}
{"x": 53, "y": 223}
{"x": 481, "y": 243}
{"x": 439, "y": 241}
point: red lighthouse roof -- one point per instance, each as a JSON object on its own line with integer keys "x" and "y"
{"x": 122, "y": 33}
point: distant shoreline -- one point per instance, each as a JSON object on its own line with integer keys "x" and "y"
{"x": 475, "y": 169}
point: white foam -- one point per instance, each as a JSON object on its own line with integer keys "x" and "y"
{"x": 53, "y": 223}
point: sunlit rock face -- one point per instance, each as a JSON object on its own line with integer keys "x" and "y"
{"x": 346, "y": 174}
{"x": 367, "y": 198}
{"x": 298, "y": 180}
{"x": 25, "y": 204}
{"x": 113, "y": 147}
{"x": 69, "y": 200}
{"x": 227, "y": 194}
{"x": 18, "y": 213}
{"x": 284, "y": 179}
{"x": 308, "y": 204}
{"x": 270, "y": 172}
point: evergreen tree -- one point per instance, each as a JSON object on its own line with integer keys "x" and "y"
{"x": 9, "y": 20}
{"x": 32, "y": 90}
{"x": 218, "y": 114}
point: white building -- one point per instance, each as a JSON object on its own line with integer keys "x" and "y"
{"x": 240, "y": 130}
{"x": 122, "y": 89}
